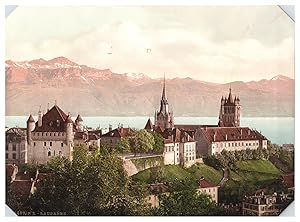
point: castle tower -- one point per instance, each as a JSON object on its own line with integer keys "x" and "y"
{"x": 164, "y": 118}
{"x": 79, "y": 123}
{"x": 30, "y": 128}
{"x": 69, "y": 130}
{"x": 230, "y": 111}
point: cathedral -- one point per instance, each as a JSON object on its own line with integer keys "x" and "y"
{"x": 230, "y": 111}
{"x": 164, "y": 117}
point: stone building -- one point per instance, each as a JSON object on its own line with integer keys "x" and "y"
{"x": 230, "y": 111}
{"x": 212, "y": 140}
{"x": 16, "y": 146}
{"x": 113, "y": 137}
{"x": 260, "y": 204}
{"x": 179, "y": 147}
{"x": 209, "y": 189}
{"x": 164, "y": 118}
{"x": 51, "y": 135}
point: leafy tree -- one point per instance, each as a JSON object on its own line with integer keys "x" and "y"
{"x": 158, "y": 146}
{"x": 92, "y": 184}
{"x": 141, "y": 141}
{"x": 157, "y": 174}
{"x": 184, "y": 200}
{"x": 123, "y": 146}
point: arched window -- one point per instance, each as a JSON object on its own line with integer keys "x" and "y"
{"x": 49, "y": 153}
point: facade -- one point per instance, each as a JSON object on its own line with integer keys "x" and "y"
{"x": 208, "y": 188}
{"x": 180, "y": 147}
{"x": 164, "y": 117}
{"x": 16, "y": 146}
{"x": 230, "y": 111}
{"x": 52, "y": 135}
{"x": 212, "y": 140}
{"x": 264, "y": 205}
{"x": 113, "y": 137}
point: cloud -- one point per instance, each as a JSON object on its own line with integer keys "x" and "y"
{"x": 238, "y": 53}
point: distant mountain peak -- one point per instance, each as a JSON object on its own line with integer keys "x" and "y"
{"x": 62, "y": 60}
{"x": 280, "y": 77}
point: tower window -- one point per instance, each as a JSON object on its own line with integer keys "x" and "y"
{"x": 62, "y": 144}
{"x": 42, "y": 134}
{"x": 14, "y": 147}
{"x": 34, "y": 144}
{"x": 45, "y": 143}
{"x": 50, "y": 134}
{"x": 38, "y": 134}
{"x": 50, "y": 143}
{"x": 6, "y": 146}
{"x": 49, "y": 153}
{"x": 14, "y": 156}
{"x": 46, "y": 134}
{"x": 60, "y": 153}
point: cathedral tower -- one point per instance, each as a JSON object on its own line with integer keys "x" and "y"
{"x": 164, "y": 118}
{"x": 230, "y": 111}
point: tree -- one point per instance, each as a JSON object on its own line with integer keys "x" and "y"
{"x": 92, "y": 184}
{"x": 157, "y": 174}
{"x": 158, "y": 146}
{"x": 123, "y": 146}
{"x": 141, "y": 141}
{"x": 184, "y": 200}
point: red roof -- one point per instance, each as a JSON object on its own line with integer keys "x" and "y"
{"x": 79, "y": 118}
{"x": 30, "y": 119}
{"x": 219, "y": 134}
{"x": 21, "y": 188}
{"x": 176, "y": 135}
{"x": 148, "y": 125}
{"x": 53, "y": 121}
{"x": 203, "y": 183}
{"x": 69, "y": 120}
{"x": 118, "y": 132}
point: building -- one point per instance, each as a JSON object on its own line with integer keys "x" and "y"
{"x": 179, "y": 147}
{"x": 209, "y": 189}
{"x": 260, "y": 204}
{"x": 230, "y": 111}
{"x": 16, "y": 146}
{"x": 52, "y": 135}
{"x": 164, "y": 118}
{"x": 212, "y": 140}
{"x": 113, "y": 137}
{"x": 288, "y": 147}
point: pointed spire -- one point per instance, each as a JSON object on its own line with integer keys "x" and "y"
{"x": 230, "y": 99}
{"x": 30, "y": 119}
{"x": 163, "y": 96}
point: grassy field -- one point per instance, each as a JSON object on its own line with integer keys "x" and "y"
{"x": 253, "y": 171}
{"x": 173, "y": 172}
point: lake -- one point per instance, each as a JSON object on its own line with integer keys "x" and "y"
{"x": 277, "y": 129}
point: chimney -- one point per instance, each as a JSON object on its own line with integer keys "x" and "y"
{"x": 205, "y": 128}
{"x": 109, "y": 128}
{"x": 226, "y": 137}
{"x": 248, "y": 132}
{"x": 215, "y": 136}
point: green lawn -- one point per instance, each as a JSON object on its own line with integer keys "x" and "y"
{"x": 253, "y": 171}
{"x": 173, "y": 172}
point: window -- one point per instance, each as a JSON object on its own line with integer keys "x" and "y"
{"x": 14, "y": 147}
{"x": 60, "y": 153}
{"x": 45, "y": 143}
{"x": 228, "y": 144}
{"x": 49, "y": 153}
{"x": 42, "y": 134}
{"x": 33, "y": 143}
{"x": 14, "y": 156}
{"x": 6, "y": 155}
{"x": 50, "y": 143}
{"x": 46, "y": 134}
{"x": 62, "y": 144}
{"x": 208, "y": 190}
{"x": 50, "y": 134}
{"x": 38, "y": 134}
{"x": 6, "y": 146}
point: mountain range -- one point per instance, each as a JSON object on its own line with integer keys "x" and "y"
{"x": 100, "y": 92}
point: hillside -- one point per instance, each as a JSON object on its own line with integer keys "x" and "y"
{"x": 100, "y": 92}
{"x": 173, "y": 172}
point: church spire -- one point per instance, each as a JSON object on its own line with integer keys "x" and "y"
{"x": 230, "y": 99}
{"x": 163, "y": 96}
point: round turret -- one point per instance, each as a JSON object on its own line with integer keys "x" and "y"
{"x": 30, "y": 128}
{"x": 79, "y": 122}
{"x": 69, "y": 130}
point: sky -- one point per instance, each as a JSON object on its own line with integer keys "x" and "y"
{"x": 210, "y": 43}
